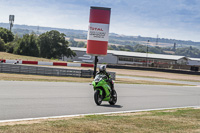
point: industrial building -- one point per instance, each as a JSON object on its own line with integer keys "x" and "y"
{"x": 124, "y": 57}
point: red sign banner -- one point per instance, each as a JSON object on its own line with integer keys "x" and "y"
{"x": 98, "y": 31}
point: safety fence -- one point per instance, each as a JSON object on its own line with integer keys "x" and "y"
{"x": 48, "y": 71}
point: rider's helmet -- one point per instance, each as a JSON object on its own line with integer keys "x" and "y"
{"x": 102, "y": 68}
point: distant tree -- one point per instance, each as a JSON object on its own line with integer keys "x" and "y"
{"x": 27, "y": 46}
{"x": 140, "y": 48}
{"x": 157, "y": 50}
{"x": 113, "y": 47}
{"x": 21, "y": 32}
{"x": 110, "y": 48}
{"x": 6, "y": 35}
{"x": 2, "y": 45}
{"x": 129, "y": 47}
{"x": 122, "y": 48}
{"x": 11, "y": 45}
{"x": 188, "y": 51}
{"x": 140, "y": 51}
{"x": 81, "y": 44}
{"x": 52, "y": 44}
{"x": 72, "y": 42}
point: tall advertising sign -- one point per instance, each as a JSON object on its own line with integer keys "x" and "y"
{"x": 11, "y": 21}
{"x": 97, "y": 39}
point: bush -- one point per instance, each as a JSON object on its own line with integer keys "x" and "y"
{"x": 2, "y": 45}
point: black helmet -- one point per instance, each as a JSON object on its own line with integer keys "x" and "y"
{"x": 102, "y": 68}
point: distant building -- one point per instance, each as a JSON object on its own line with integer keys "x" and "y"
{"x": 124, "y": 57}
{"x": 193, "y": 61}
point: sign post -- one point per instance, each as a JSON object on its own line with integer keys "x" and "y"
{"x": 95, "y": 66}
{"x": 98, "y": 31}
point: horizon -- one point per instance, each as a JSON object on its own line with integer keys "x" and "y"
{"x": 86, "y": 31}
{"x": 170, "y": 19}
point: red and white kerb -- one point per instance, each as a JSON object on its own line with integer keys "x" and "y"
{"x": 97, "y": 39}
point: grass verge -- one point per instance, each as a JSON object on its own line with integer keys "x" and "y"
{"x": 178, "y": 120}
{"x": 189, "y": 80}
{"x": 25, "y": 77}
{"x": 132, "y": 81}
{"x": 9, "y": 56}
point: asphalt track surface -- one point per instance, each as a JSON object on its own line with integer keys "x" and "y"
{"x": 24, "y": 99}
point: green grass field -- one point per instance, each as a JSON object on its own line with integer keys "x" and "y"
{"x": 8, "y": 56}
{"x": 177, "y": 120}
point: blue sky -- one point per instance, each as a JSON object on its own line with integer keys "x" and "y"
{"x": 175, "y": 19}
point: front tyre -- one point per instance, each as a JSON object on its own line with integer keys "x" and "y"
{"x": 113, "y": 99}
{"x": 97, "y": 97}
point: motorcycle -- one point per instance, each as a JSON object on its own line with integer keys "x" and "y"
{"x": 103, "y": 91}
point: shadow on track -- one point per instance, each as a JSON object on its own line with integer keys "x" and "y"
{"x": 111, "y": 106}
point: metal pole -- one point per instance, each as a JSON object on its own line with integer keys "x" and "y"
{"x": 147, "y": 54}
{"x": 95, "y": 66}
{"x": 10, "y": 26}
{"x": 157, "y": 40}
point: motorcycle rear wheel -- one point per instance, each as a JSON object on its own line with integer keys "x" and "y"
{"x": 97, "y": 97}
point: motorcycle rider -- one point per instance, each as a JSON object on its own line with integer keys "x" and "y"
{"x": 102, "y": 70}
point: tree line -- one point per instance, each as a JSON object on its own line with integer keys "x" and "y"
{"x": 74, "y": 43}
{"x": 113, "y": 38}
{"x": 131, "y": 39}
{"x": 137, "y": 48}
{"x": 51, "y": 44}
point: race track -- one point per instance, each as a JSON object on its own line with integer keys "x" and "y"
{"x": 19, "y": 99}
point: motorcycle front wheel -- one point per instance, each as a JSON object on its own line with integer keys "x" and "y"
{"x": 97, "y": 97}
{"x": 113, "y": 99}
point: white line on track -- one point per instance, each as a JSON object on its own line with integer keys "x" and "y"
{"x": 105, "y": 113}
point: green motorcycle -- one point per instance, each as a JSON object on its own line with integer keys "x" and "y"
{"x": 103, "y": 91}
